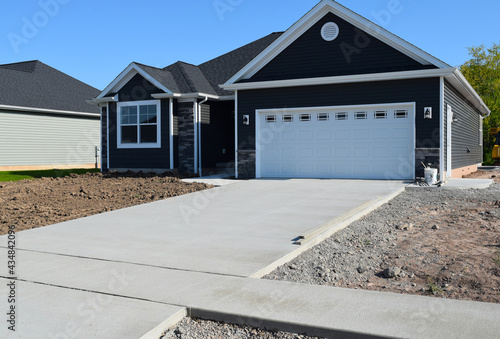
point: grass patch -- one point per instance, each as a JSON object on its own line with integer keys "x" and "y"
{"x": 52, "y": 173}
{"x": 433, "y": 288}
{"x": 496, "y": 259}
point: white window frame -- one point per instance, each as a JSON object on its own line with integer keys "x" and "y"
{"x": 157, "y": 144}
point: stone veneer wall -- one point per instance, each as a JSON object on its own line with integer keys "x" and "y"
{"x": 246, "y": 164}
{"x": 186, "y": 137}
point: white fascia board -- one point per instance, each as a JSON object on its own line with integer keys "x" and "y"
{"x": 286, "y": 39}
{"x": 123, "y": 74}
{"x": 227, "y": 97}
{"x": 341, "y": 79}
{"x": 97, "y": 101}
{"x": 48, "y": 111}
{"x": 166, "y": 95}
{"x": 308, "y": 20}
{"x": 185, "y": 96}
{"x": 199, "y": 95}
{"x": 126, "y": 76}
{"x": 461, "y": 84}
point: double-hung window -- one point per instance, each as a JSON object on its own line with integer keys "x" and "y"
{"x": 139, "y": 124}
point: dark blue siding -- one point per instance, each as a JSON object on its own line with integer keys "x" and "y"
{"x": 425, "y": 92}
{"x": 353, "y": 52}
{"x": 139, "y": 158}
{"x": 217, "y": 133}
{"x": 138, "y": 89}
{"x": 465, "y": 148}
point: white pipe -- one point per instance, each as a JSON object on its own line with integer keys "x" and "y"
{"x": 199, "y": 135}
{"x": 236, "y": 134}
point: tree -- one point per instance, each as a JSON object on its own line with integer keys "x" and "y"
{"x": 483, "y": 73}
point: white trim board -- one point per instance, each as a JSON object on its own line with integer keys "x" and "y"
{"x": 313, "y": 16}
{"x": 442, "y": 174}
{"x": 453, "y": 75}
{"x": 21, "y": 109}
{"x": 119, "y": 144}
{"x": 449, "y": 144}
{"x": 126, "y": 75}
{"x": 340, "y": 79}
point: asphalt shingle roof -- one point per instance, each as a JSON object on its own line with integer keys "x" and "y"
{"x": 182, "y": 77}
{"x": 221, "y": 69}
{"x": 36, "y": 85}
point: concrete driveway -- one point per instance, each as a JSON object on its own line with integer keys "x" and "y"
{"x": 134, "y": 271}
{"x": 238, "y": 229}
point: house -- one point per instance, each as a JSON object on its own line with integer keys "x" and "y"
{"x": 335, "y": 96}
{"x": 44, "y": 119}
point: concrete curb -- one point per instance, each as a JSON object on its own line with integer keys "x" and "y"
{"x": 170, "y": 322}
{"x": 456, "y": 184}
{"x": 276, "y": 325}
{"x": 325, "y": 231}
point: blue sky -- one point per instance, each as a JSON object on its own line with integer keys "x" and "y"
{"x": 94, "y": 41}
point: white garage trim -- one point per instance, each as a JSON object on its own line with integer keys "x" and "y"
{"x": 261, "y": 136}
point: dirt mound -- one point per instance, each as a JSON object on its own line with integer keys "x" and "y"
{"x": 34, "y": 203}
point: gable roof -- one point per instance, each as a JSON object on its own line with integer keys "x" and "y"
{"x": 182, "y": 77}
{"x": 190, "y": 78}
{"x": 35, "y": 85}
{"x": 307, "y": 21}
{"x": 221, "y": 69}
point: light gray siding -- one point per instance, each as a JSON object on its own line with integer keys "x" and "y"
{"x": 32, "y": 139}
{"x": 465, "y": 145}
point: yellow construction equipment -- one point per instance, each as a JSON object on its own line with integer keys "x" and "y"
{"x": 496, "y": 148}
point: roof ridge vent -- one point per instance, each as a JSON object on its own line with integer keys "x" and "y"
{"x": 28, "y": 66}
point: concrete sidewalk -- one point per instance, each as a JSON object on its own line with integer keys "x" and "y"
{"x": 315, "y": 310}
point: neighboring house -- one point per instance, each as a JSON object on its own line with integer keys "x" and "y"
{"x": 335, "y": 96}
{"x": 45, "y": 121}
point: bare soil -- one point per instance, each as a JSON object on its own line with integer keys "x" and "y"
{"x": 35, "y": 203}
{"x": 438, "y": 243}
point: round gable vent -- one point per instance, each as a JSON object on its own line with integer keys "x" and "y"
{"x": 330, "y": 31}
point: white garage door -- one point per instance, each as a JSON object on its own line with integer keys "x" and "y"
{"x": 363, "y": 142}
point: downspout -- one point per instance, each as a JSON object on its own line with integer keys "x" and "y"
{"x": 199, "y": 134}
{"x": 171, "y": 131}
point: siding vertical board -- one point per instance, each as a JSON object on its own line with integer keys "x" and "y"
{"x": 425, "y": 92}
{"x": 28, "y": 139}
{"x": 465, "y": 132}
{"x": 352, "y": 52}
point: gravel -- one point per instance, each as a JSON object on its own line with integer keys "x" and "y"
{"x": 363, "y": 255}
{"x": 195, "y": 329}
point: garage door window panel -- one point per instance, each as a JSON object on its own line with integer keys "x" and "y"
{"x": 305, "y": 117}
{"x": 341, "y": 116}
{"x": 401, "y": 114}
{"x": 270, "y": 119}
{"x": 360, "y": 115}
